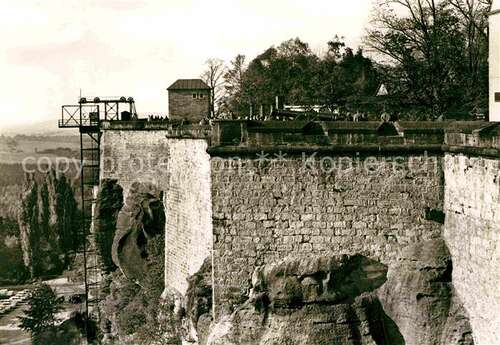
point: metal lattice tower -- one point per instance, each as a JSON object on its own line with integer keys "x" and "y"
{"x": 87, "y": 116}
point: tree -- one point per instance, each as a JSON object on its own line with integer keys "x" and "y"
{"x": 286, "y": 70}
{"x": 235, "y": 98}
{"x": 344, "y": 78}
{"x": 473, "y": 16}
{"x": 12, "y": 270}
{"x": 29, "y": 216}
{"x": 291, "y": 70}
{"x": 40, "y": 317}
{"x": 68, "y": 215}
{"x": 424, "y": 42}
{"x": 12, "y": 144}
{"x": 213, "y": 76}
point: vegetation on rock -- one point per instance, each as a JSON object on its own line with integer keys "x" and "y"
{"x": 198, "y": 305}
{"x": 136, "y": 314}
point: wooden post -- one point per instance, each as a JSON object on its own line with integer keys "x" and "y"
{"x": 279, "y": 103}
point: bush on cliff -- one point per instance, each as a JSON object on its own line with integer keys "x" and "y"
{"x": 137, "y": 313}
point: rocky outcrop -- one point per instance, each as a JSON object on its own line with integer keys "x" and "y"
{"x": 141, "y": 217}
{"x": 133, "y": 310}
{"x": 314, "y": 300}
{"x": 418, "y": 296}
{"x": 197, "y": 312}
{"x": 108, "y": 204}
{"x": 137, "y": 314}
{"x": 295, "y": 282}
{"x": 357, "y": 323}
{"x": 48, "y": 222}
{"x": 348, "y": 300}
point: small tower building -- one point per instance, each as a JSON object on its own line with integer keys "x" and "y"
{"x": 189, "y": 99}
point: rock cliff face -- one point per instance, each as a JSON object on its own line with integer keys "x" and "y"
{"x": 131, "y": 234}
{"x": 108, "y": 205}
{"x": 346, "y": 300}
{"x": 141, "y": 218}
{"x": 358, "y": 323}
{"x": 315, "y": 300}
{"x": 48, "y": 222}
{"x": 418, "y": 296}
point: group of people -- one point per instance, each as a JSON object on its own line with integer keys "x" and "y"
{"x": 157, "y": 118}
{"x": 358, "y": 116}
{"x": 347, "y": 116}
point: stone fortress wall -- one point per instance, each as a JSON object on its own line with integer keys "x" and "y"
{"x": 180, "y": 169}
{"x": 266, "y": 190}
{"x": 472, "y": 226}
{"x": 349, "y": 197}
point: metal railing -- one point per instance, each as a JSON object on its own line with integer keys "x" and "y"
{"x": 79, "y": 115}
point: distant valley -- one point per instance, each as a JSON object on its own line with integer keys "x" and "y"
{"x": 44, "y": 128}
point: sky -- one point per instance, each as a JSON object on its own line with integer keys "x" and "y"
{"x": 52, "y": 49}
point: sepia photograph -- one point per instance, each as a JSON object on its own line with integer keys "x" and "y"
{"x": 250, "y": 172}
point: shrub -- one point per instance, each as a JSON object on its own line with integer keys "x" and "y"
{"x": 40, "y": 317}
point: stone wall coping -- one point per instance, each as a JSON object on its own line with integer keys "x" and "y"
{"x": 449, "y": 125}
{"x": 247, "y": 137}
{"x": 473, "y": 151}
{"x": 173, "y": 129}
{"x": 404, "y": 149}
